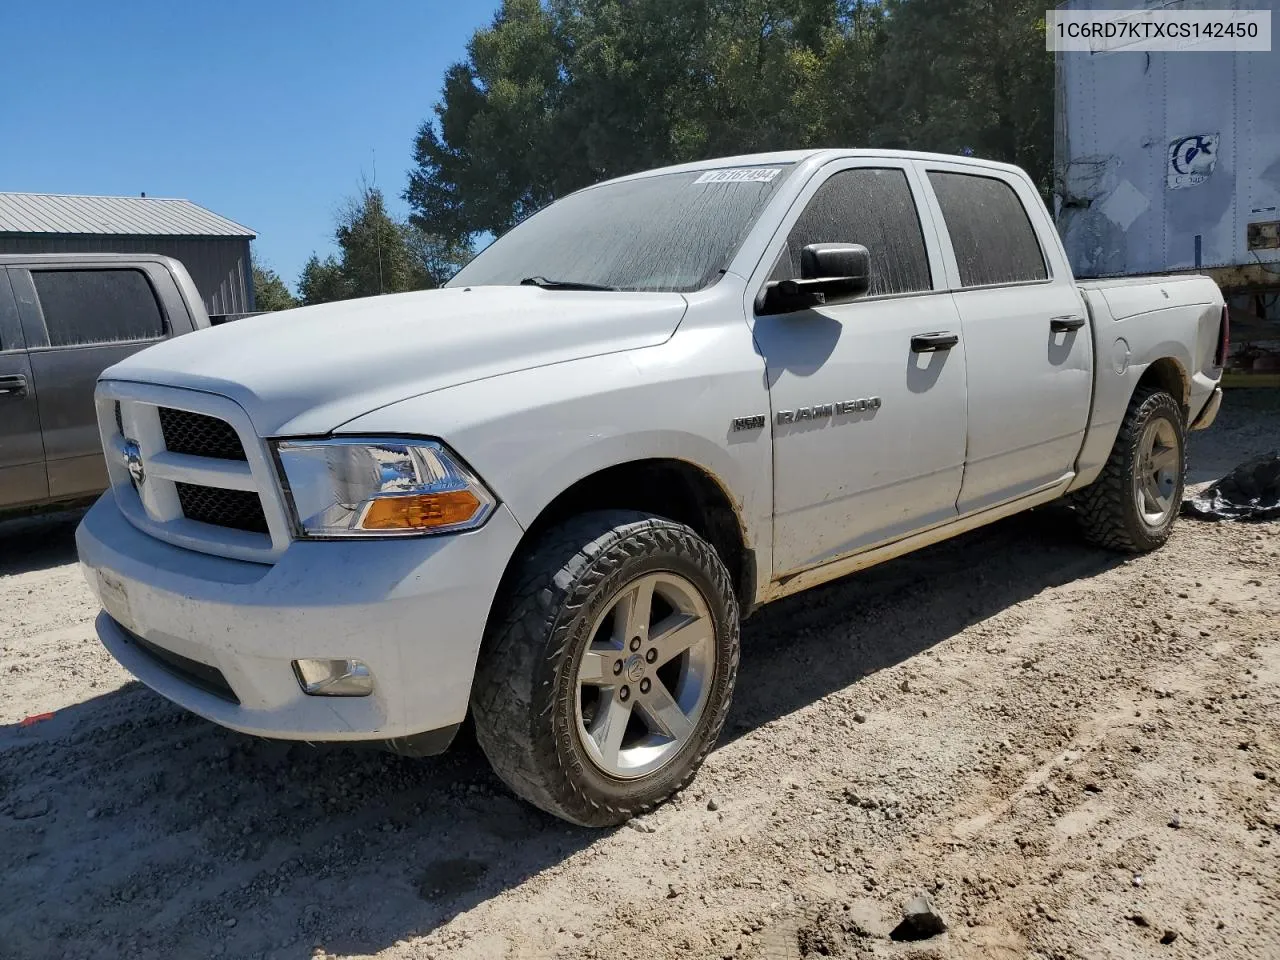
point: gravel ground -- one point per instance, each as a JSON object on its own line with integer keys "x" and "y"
{"x": 1074, "y": 753}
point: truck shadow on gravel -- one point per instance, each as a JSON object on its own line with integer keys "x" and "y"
{"x": 798, "y": 650}
{"x": 129, "y": 827}
{"x": 37, "y": 541}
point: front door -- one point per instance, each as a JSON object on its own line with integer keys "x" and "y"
{"x": 868, "y": 414}
{"x": 22, "y": 476}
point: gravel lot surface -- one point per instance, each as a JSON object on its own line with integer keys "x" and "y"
{"x": 1074, "y": 754}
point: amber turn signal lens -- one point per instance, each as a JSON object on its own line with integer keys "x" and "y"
{"x": 420, "y": 511}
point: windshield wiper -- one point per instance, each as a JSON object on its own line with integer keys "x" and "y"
{"x": 546, "y": 284}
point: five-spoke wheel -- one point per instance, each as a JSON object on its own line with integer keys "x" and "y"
{"x": 643, "y": 680}
{"x": 1131, "y": 506}
{"x": 608, "y": 678}
{"x": 1159, "y": 469}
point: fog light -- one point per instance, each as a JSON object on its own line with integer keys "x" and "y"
{"x": 334, "y": 678}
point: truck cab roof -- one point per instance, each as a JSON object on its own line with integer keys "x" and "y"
{"x": 813, "y": 157}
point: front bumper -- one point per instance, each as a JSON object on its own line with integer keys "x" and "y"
{"x": 414, "y": 610}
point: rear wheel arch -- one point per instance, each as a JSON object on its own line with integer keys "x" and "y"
{"x": 1168, "y": 375}
{"x": 1112, "y": 510}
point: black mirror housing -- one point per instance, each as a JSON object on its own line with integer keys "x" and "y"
{"x": 848, "y": 261}
{"x": 829, "y": 273}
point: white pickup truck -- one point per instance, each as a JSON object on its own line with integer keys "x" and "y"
{"x": 548, "y": 493}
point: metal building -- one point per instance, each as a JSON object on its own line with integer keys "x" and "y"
{"x": 214, "y": 250}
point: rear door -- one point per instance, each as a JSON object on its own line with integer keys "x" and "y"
{"x": 22, "y": 476}
{"x": 1028, "y": 347}
{"x": 79, "y": 320}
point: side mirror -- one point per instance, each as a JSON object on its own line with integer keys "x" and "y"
{"x": 829, "y": 273}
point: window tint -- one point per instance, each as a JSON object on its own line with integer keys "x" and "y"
{"x": 990, "y": 231}
{"x": 872, "y": 207}
{"x": 97, "y": 306}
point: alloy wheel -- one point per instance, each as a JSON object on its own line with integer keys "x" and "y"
{"x": 644, "y": 678}
{"x": 1155, "y": 480}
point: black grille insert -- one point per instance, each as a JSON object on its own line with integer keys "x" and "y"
{"x": 199, "y": 435}
{"x": 238, "y": 509}
{"x": 207, "y": 678}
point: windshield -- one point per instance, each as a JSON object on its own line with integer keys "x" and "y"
{"x": 673, "y": 232}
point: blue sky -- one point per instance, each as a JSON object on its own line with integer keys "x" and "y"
{"x": 267, "y": 112}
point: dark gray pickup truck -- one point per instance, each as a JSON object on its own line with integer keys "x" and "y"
{"x": 64, "y": 318}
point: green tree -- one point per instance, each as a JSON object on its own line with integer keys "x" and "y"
{"x": 552, "y": 98}
{"x": 269, "y": 291}
{"x": 973, "y": 75}
{"x": 557, "y": 95}
{"x": 375, "y": 257}
{"x": 322, "y": 281}
{"x": 435, "y": 259}
{"x": 493, "y": 153}
{"x": 378, "y": 254}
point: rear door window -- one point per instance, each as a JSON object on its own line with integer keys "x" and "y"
{"x": 873, "y": 207}
{"x": 991, "y": 234}
{"x": 97, "y": 306}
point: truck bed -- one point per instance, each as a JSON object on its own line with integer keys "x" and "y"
{"x": 1130, "y": 296}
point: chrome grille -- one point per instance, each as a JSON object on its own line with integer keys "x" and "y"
{"x": 237, "y": 509}
{"x": 206, "y": 481}
{"x": 199, "y": 435}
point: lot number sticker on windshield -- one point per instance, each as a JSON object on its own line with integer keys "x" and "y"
{"x": 743, "y": 175}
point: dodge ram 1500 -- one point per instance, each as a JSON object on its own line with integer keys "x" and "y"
{"x": 548, "y": 493}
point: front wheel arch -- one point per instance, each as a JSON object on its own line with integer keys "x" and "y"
{"x": 677, "y": 490}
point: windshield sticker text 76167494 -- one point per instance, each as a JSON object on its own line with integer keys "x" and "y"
{"x": 741, "y": 175}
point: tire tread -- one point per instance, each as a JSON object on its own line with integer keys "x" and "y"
{"x": 1103, "y": 508}
{"x": 553, "y": 581}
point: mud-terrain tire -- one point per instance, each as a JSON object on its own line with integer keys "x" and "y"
{"x": 1132, "y": 505}
{"x": 569, "y": 651}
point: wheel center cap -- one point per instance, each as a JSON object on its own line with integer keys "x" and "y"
{"x": 635, "y": 667}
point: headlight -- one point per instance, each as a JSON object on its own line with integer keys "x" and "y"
{"x": 378, "y": 487}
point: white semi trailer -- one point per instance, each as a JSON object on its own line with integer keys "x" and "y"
{"x": 1170, "y": 161}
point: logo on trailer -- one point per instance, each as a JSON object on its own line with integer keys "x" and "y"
{"x": 1191, "y": 160}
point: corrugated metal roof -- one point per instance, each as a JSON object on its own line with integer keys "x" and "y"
{"x": 117, "y": 216}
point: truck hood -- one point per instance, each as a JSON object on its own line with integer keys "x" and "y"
{"x": 307, "y": 371}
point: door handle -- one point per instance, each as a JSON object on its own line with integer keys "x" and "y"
{"x": 15, "y": 386}
{"x": 933, "y": 342}
{"x": 1066, "y": 324}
